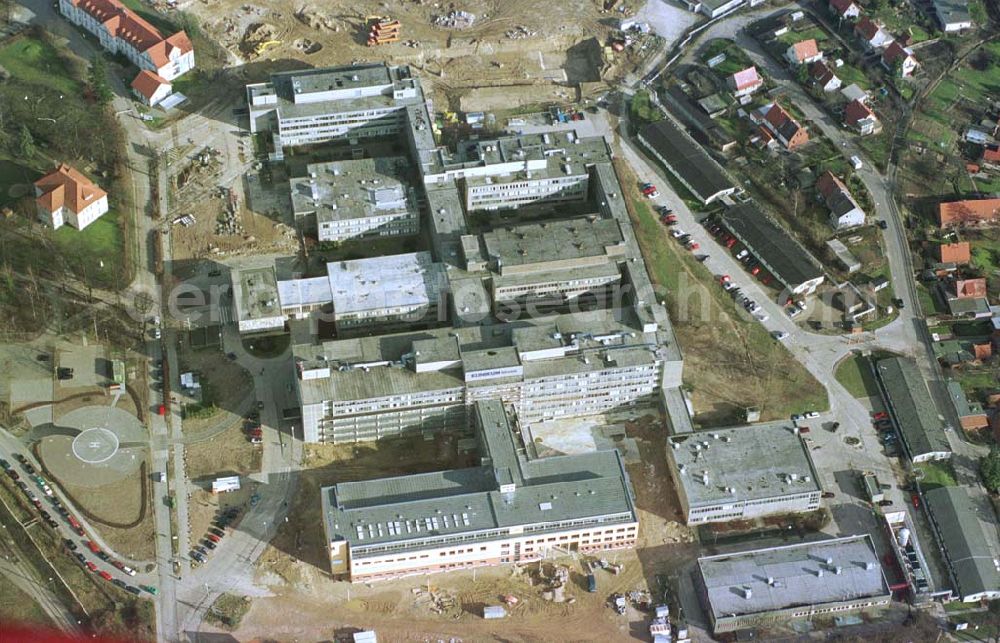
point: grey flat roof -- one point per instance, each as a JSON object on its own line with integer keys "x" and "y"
{"x": 392, "y": 281}
{"x": 256, "y": 293}
{"x": 442, "y": 351}
{"x": 353, "y": 189}
{"x": 795, "y": 573}
{"x": 952, "y": 11}
{"x": 754, "y": 462}
{"x": 966, "y": 548}
{"x": 554, "y": 241}
{"x": 441, "y": 504}
{"x": 910, "y": 403}
{"x": 554, "y": 149}
{"x": 786, "y": 259}
{"x": 687, "y": 159}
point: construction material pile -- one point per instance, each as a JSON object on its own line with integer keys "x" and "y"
{"x": 455, "y": 20}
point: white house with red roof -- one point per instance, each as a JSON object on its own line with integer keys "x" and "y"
{"x": 149, "y": 88}
{"x": 872, "y": 35}
{"x": 859, "y": 116}
{"x": 804, "y": 52}
{"x": 896, "y": 54}
{"x": 67, "y": 196}
{"x": 845, "y": 9}
{"x": 121, "y": 31}
{"x": 746, "y": 82}
{"x": 824, "y": 77}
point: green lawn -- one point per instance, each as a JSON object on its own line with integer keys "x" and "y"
{"x": 736, "y": 59}
{"x": 15, "y": 181}
{"x": 850, "y": 74}
{"x": 730, "y": 362}
{"x": 793, "y": 37}
{"x": 99, "y": 243}
{"x": 18, "y": 607}
{"x": 936, "y": 474}
{"x": 37, "y": 62}
{"x": 855, "y": 374}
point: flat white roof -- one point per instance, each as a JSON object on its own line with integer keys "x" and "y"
{"x": 403, "y": 281}
{"x": 304, "y": 292}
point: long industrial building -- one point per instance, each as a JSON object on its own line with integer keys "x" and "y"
{"x": 510, "y": 509}
{"x": 911, "y": 409}
{"x": 742, "y": 473}
{"x": 974, "y": 568}
{"x": 686, "y": 160}
{"x": 767, "y": 586}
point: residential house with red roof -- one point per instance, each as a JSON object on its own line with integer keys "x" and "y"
{"x": 860, "y": 117}
{"x": 804, "y": 52}
{"x": 967, "y": 288}
{"x": 967, "y": 298}
{"x": 150, "y": 88}
{"x": 786, "y": 129}
{"x": 969, "y": 212}
{"x": 957, "y": 253}
{"x": 821, "y": 74}
{"x": 745, "y": 82}
{"x": 899, "y": 59}
{"x": 122, "y": 31}
{"x": 991, "y": 155}
{"x": 845, "y": 9}
{"x": 67, "y": 196}
{"x": 844, "y": 210}
{"x": 872, "y": 35}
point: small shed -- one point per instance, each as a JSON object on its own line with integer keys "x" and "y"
{"x": 228, "y": 483}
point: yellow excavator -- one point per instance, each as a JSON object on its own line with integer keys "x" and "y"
{"x": 264, "y": 46}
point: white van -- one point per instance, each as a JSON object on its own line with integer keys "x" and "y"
{"x": 856, "y": 162}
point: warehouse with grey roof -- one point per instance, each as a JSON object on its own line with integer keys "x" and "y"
{"x": 773, "y": 248}
{"x": 686, "y": 160}
{"x": 510, "y": 509}
{"x": 772, "y": 585}
{"x": 911, "y": 409}
{"x": 958, "y": 528}
{"x": 742, "y": 473}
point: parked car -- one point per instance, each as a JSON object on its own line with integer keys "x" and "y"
{"x": 881, "y": 415}
{"x": 134, "y": 590}
{"x": 812, "y": 415}
{"x": 103, "y": 574}
{"x": 149, "y": 588}
{"x": 213, "y": 538}
{"x": 828, "y": 494}
{"x": 779, "y": 335}
{"x": 80, "y": 557}
{"x": 119, "y": 582}
{"x": 915, "y": 499}
{"x": 217, "y": 532}
{"x": 91, "y": 566}
{"x": 885, "y": 503}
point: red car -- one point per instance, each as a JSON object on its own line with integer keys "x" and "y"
{"x": 881, "y": 415}
{"x": 103, "y": 574}
{"x": 92, "y": 546}
{"x": 755, "y": 270}
{"x": 669, "y": 219}
{"x": 724, "y": 278}
{"x": 91, "y": 566}
{"x": 916, "y": 500}
{"x": 649, "y": 189}
{"x": 693, "y": 246}
{"x": 730, "y": 243}
{"x": 213, "y": 538}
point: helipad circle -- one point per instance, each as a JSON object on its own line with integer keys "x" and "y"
{"x": 95, "y": 445}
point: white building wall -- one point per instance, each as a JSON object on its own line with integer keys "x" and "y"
{"x": 740, "y": 510}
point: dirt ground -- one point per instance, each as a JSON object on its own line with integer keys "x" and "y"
{"x": 224, "y": 383}
{"x": 504, "y": 45}
{"x": 308, "y": 604}
{"x": 227, "y": 453}
{"x": 120, "y": 503}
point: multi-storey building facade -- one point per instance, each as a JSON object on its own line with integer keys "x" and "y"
{"x": 511, "y": 509}
{"x": 547, "y": 368}
{"x": 344, "y": 200}
{"x": 320, "y": 105}
{"x": 122, "y": 31}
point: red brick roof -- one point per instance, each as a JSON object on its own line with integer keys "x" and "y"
{"x": 805, "y": 49}
{"x": 147, "y": 83}
{"x": 67, "y": 187}
{"x": 969, "y": 211}
{"x": 828, "y": 184}
{"x": 954, "y": 252}
{"x": 982, "y": 351}
{"x": 856, "y": 111}
{"x": 968, "y": 288}
{"x": 991, "y": 155}
{"x": 124, "y": 24}
{"x": 894, "y": 51}
{"x": 746, "y": 78}
{"x": 821, "y": 72}
{"x": 867, "y": 27}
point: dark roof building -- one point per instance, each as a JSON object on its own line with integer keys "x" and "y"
{"x": 776, "y": 250}
{"x": 960, "y": 534}
{"x": 913, "y": 413}
{"x": 686, "y": 160}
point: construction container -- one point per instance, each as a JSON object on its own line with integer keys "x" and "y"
{"x": 494, "y": 611}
